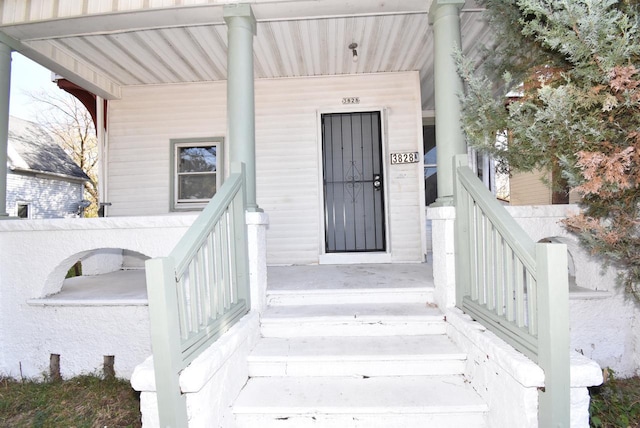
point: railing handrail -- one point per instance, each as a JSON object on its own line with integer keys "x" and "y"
{"x": 510, "y": 230}
{"x": 187, "y": 246}
{"x": 198, "y": 292}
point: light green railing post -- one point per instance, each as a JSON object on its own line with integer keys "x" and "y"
{"x": 553, "y": 335}
{"x": 240, "y": 241}
{"x": 165, "y": 337}
{"x": 462, "y": 238}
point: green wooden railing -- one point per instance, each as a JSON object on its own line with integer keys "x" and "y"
{"x": 516, "y": 288}
{"x": 198, "y": 292}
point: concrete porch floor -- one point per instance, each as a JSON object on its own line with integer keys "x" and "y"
{"x": 128, "y": 287}
{"x": 327, "y": 277}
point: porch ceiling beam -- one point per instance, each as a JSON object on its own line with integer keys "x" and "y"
{"x": 56, "y": 24}
{"x": 60, "y": 62}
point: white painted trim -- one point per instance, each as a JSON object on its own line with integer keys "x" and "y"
{"x": 347, "y": 258}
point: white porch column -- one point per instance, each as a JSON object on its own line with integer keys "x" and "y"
{"x": 257, "y": 223}
{"x": 240, "y": 93}
{"x": 5, "y": 87}
{"x": 445, "y": 18}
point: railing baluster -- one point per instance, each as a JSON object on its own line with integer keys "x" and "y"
{"x": 182, "y": 306}
{"x": 472, "y": 246}
{"x": 202, "y": 288}
{"x": 221, "y": 269}
{"x": 491, "y": 276}
{"x": 231, "y": 295}
{"x": 500, "y": 275}
{"x": 213, "y": 279}
{"x": 225, "y": 257}
{"x": 519, "y": 285}
{"x": 193, "y": 298}
{"x": 510, "y": 290}
{"x": 532, "y": 308}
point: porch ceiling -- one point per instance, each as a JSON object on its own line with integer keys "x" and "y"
{"x": 105, "y": 51}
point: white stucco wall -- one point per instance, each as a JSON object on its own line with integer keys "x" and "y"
{"x": 288, "y": 152}
{"x": 508, "y": 381}
{"x": 48, "y": 197}
{"x": 603, "y": 323}
{"x": 36, "y": 255}
{"x": 210, "y": 383}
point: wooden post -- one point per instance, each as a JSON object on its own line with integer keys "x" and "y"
{"x": 108, "y": 367}
{"x": 240, "y": 249}
{"x": 54, "y": 367}
{"x": 165, "y": 341}
{"x": 462, "y": 251}
{"x": 553, "y": 335}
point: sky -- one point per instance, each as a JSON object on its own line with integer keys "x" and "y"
{"x": 27, "y": 76}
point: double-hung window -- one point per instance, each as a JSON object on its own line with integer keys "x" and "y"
{"x": 196, "y": 172}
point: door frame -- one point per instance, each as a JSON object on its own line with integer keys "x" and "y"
{"x": 356, "y": 257}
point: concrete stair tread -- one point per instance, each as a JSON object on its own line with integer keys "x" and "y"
{"x": 358, "y": 348}
{"x": 341, "y": 296}
{"x": 340, "y": 290}
{"x": 358, "y": 395}
{"x": 362, "y": 312}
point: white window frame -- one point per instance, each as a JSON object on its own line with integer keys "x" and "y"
{"x": 176, "y": 145}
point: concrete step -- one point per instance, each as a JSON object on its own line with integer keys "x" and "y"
{"x": 390, "y": 319}
{"x": 356, "y": 356}
{"x": 345, "y": 402}
{"x": 339, "y": 296}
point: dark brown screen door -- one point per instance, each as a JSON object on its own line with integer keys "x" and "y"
{"x": 353, "y": 182}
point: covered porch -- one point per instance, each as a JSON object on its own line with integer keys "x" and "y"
{"x": 291, "y": 68}
{"x": 167, "y": 59}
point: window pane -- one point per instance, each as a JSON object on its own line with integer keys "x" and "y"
{"x": 430, "y": 160}
{"x": 23, "y": 211}
{"x": 200, "y": 186}
{"x": 429, "y": 171}
{"x": 430, "y": 157}
{"x": 197, "y": 159}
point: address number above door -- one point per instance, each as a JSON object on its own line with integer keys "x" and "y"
{"x": 351, "y": 100}
{"x": 410, "y": 157}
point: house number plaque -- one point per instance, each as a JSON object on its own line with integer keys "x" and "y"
{"x": 410, "y": 157}
{"x": 351, "y": 100}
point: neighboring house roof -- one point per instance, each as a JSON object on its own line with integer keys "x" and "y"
{"x": 32, "y": 149}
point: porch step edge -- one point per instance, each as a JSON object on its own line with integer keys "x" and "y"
{"x": 353, "y": 395}
{"x": 427, "y": 355}
{"x": 349, "y": 296}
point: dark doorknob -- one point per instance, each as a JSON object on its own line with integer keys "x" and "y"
{"x": 377, "y": 181}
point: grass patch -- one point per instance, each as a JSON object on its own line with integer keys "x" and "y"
{"x": 80, "y": 402}
{"x": 616, "y": 403}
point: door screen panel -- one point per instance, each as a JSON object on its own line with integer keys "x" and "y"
{"x": 353, "y": 182}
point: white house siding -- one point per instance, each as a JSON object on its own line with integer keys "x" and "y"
{"x": 288, "y": 151}
{"x": 48, "y": 197}
{"x": 531, "y": 188}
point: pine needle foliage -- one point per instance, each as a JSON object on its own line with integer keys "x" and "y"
{"x": 575, "y": 67}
